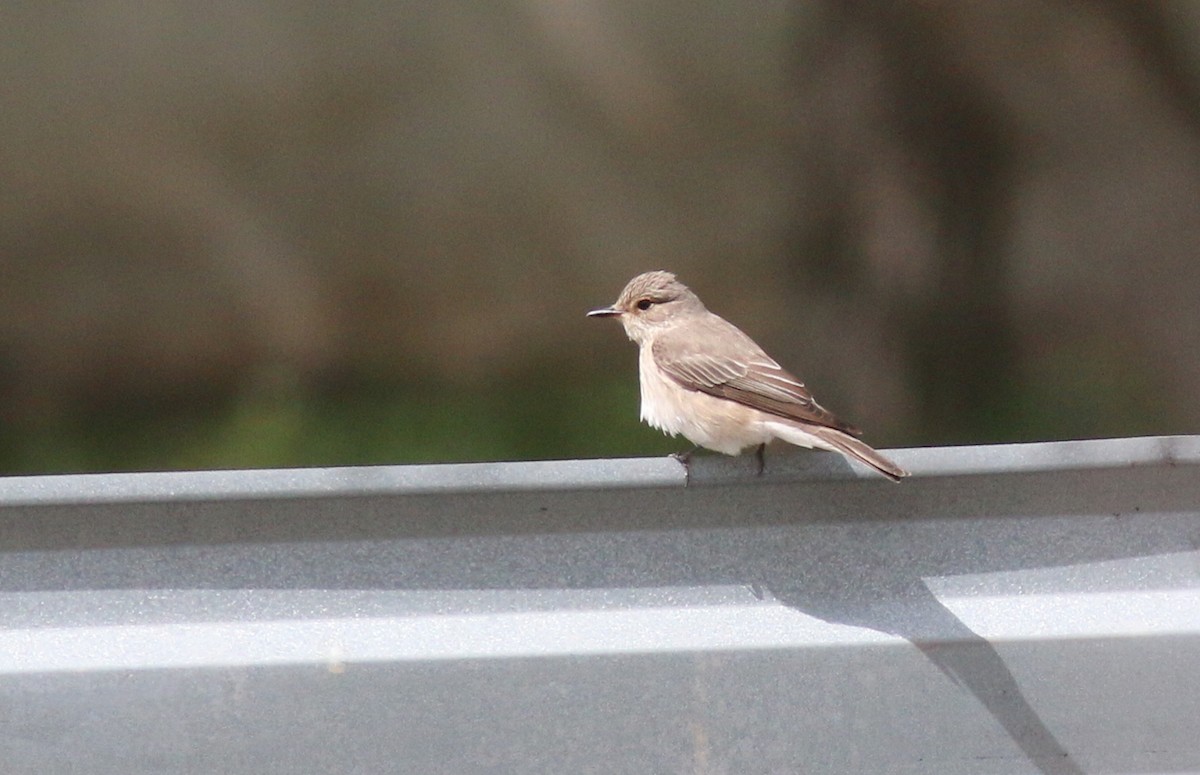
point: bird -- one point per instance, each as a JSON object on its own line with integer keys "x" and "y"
{"x": 703, "y": 378}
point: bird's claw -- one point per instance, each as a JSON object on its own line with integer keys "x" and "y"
{"x": 685, "y": 459}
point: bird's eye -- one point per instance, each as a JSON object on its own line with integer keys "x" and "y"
{"x": 644, "y": 304}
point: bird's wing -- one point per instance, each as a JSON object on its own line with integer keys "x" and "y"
{"x": 713, "y": 356}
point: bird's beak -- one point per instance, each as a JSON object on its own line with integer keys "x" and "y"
{"x": 604, "y": 312}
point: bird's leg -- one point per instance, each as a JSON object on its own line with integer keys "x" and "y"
{"x": 685, "y": 459}
{"x": 758, "y": 453}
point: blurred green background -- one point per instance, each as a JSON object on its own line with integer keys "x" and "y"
{"x": 273, "y": 233}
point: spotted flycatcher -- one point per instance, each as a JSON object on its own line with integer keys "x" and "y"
{"x": 703, "y": 378}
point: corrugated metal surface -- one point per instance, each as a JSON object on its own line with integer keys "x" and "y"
{"x": 1008, "y": 609}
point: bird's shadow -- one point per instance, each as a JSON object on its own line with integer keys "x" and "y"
{"x": 846, "y": 551}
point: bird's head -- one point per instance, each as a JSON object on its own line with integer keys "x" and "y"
{"x": 650, "y": 302}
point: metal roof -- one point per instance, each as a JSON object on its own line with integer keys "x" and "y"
{"x": 1007, "y": 609}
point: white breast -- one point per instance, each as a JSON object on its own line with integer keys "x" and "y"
{"x": 711, "y": 422}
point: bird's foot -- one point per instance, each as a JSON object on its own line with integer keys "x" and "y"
{"x": 759, "y": 455}
{"x": 685, "y": 460}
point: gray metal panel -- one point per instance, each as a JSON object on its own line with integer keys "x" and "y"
{"x": 1009, "y": 609}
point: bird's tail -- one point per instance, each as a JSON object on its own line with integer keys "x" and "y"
{"x": 848, "y": 445}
